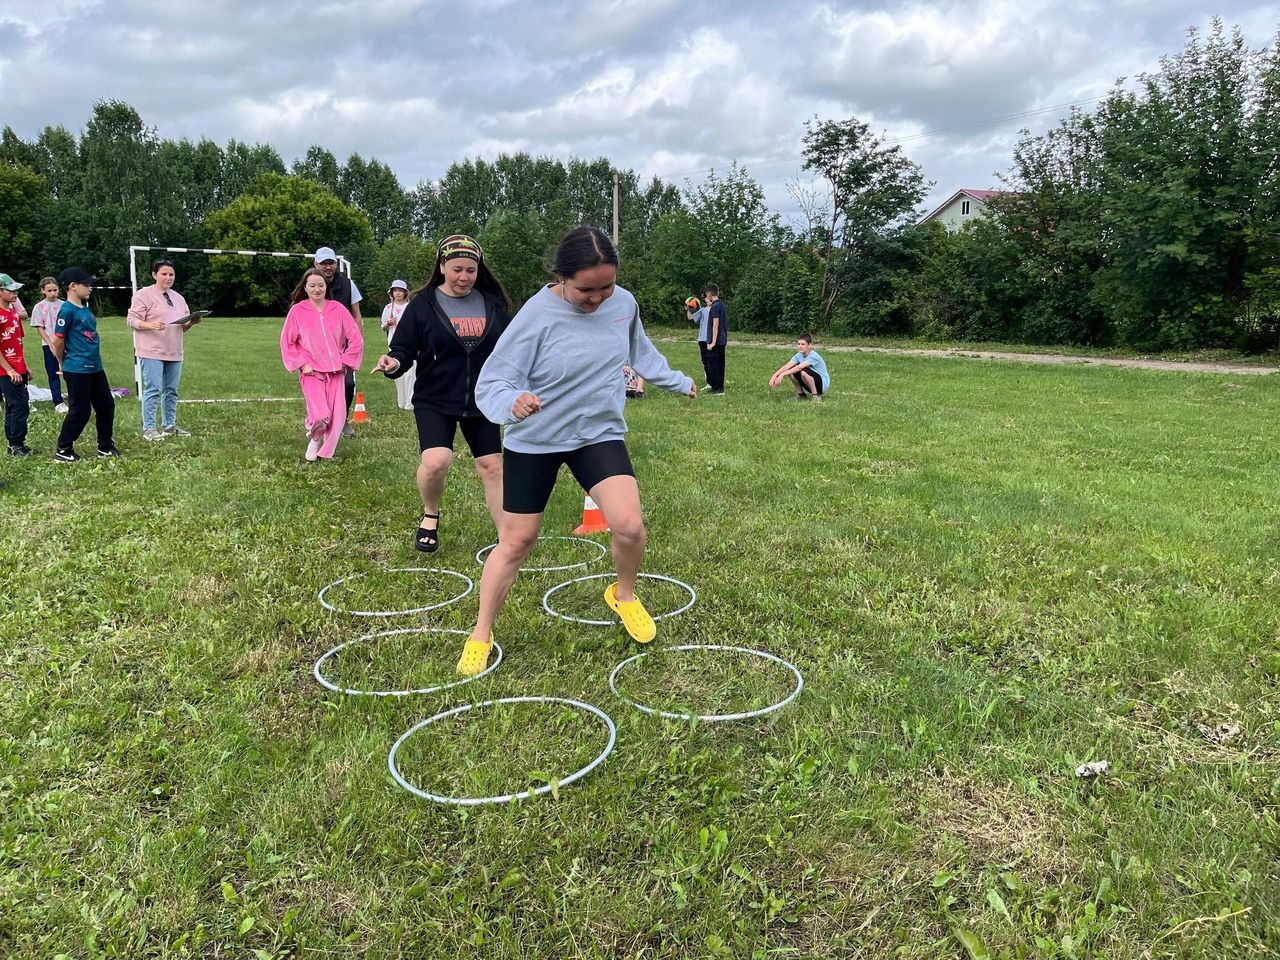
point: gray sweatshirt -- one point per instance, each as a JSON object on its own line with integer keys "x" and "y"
{"x": 572, "y": 361}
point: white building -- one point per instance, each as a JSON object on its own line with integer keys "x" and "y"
{"x": 961, "y": 207}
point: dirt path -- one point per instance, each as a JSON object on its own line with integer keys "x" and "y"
{"x": 1193, "y": 366}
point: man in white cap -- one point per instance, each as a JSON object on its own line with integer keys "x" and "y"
{"x": 344, "y": 290}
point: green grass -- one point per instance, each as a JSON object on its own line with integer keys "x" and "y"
{"x": 989, "y": 573}
{"x": 1236, "y": 357}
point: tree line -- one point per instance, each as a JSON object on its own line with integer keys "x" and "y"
{"x": 1149, "y": 222}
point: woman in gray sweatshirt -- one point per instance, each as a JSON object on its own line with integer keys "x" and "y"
{"x": 554, "y": 382}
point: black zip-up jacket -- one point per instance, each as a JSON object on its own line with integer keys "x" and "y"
{"x": 447, "y": 371}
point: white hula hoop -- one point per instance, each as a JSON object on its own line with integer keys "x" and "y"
{"x": 483, "y": 551}
{"x": 482, "y": 801}
{"x": 693, "y": 598}
{"x": 396, "y": 613}
{"x": 330, "y": 685}
{"x": 711, "y": 717}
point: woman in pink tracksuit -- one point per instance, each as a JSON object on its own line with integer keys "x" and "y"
{"x": 320, "y": 341}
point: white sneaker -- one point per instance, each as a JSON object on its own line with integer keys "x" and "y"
{"x": 152, "y": 434}
{"x": 313, "y": 450}
{"x": 175, "y": 431}
{"x": 61, "y": 408}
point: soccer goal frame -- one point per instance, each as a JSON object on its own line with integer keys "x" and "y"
{"x": 344, "y": 266}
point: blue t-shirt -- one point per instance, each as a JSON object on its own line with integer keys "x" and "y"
{"x": 722, "y": 330}
{"x": 816, "y": 365}
{"x": 79, "y": 331}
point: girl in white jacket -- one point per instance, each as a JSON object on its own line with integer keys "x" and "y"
{"x": 399, "y": 294}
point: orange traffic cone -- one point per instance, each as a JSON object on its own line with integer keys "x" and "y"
{"x": 592, "y": 519}
{"x": 360, "y": 415}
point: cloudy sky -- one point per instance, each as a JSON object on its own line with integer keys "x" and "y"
{"x": 665, "y": 87}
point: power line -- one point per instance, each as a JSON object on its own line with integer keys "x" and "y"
{"x": 920, "y": 136}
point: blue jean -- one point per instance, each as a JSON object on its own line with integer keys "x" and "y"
{"x": 160, "y": 389}
{"x": 51, "y": 371}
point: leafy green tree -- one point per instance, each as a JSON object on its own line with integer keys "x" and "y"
{"x": 731, "y": 224}
{"x": 24, "y": 207}
{"x": 319, "y": 166}
{"x": 14, "y": 151}
{"x": 588, "y": 192}
{"x": 195, "y": 172}
{"x": 279, "y": 212}
{"x": 242, "y": 163}
{"x": 466, "y": 196}
{"x": 529, "y": 184}
{"x": 424, "y": 209}
{"x": 402, "y": 257}
{"x": 1051, "y": 218}
{"x": 876, "y": 286}
{"x": 517, "y": 248}
{"x": 872, "y": 187}
{"x": 669, "y": 270}
{"x": 1152, "y": 221}
{"x": 1182, "y": 175}
{"x": 1260, "y": 318}
{"x": 374, "y": 188}
{"x": 123, "y": 192}
{"x": 57, "y": 158}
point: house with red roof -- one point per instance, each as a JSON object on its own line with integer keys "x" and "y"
{"x": 962, "y": 206}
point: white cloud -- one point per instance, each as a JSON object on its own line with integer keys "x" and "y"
{"x": 666, "y": 88}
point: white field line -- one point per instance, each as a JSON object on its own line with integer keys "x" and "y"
{"x": 247, "y": 400}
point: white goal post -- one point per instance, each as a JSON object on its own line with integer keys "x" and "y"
{"x": 344, "y": 266}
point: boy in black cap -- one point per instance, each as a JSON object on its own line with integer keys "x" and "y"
{"x": 75, "y": 344}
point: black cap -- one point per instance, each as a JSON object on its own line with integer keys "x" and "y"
{"x": 77, "y": 275}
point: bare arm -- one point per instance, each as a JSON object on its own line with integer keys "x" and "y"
{"x": 10, "y": 370}
{"x": 786, "y": 370}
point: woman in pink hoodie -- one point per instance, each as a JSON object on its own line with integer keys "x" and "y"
{"x": 321, "y": 341}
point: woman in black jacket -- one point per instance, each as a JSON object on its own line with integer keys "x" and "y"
{"x": 449, "y": 329}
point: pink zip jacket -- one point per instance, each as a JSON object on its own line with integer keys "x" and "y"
{"x": 328, "y": 341}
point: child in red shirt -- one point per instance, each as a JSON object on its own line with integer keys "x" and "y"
{"x": 13, "y": 370}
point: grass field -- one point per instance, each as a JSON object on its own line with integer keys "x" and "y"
{"x": 989, "y": 573}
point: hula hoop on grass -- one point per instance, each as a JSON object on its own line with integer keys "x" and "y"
{"x": 524, "y": 795}
{"x": 483, "y": 551}
{"x": 396, "y": 613}
{"x": 693, "y": 598}
{"x": 330, "y": 685}
{"x": 710, "y": 717}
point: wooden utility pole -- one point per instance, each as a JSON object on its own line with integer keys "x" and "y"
{"x": 615, "y": 209}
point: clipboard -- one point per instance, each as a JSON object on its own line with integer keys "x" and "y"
{"x": 191, "y": 317}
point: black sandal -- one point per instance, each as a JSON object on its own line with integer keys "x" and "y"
{"x": 432, "y": 537}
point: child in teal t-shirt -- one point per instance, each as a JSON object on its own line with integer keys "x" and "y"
{"x": 75, "y": 339}
{"x": 807, "y": 370}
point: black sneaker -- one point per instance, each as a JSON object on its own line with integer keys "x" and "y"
{"x": 111, "y": 451}
{"x": 66, "y": 456}
{"x": 19, "y": 450}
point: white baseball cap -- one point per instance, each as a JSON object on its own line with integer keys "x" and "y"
{"x": 325, "y": 253}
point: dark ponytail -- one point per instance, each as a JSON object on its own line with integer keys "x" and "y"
{"x": 582, "y": 249}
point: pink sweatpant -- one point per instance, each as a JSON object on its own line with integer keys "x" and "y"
{"x": 326, "y": 408}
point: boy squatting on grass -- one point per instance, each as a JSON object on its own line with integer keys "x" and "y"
{"x": 806, "y": 369}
